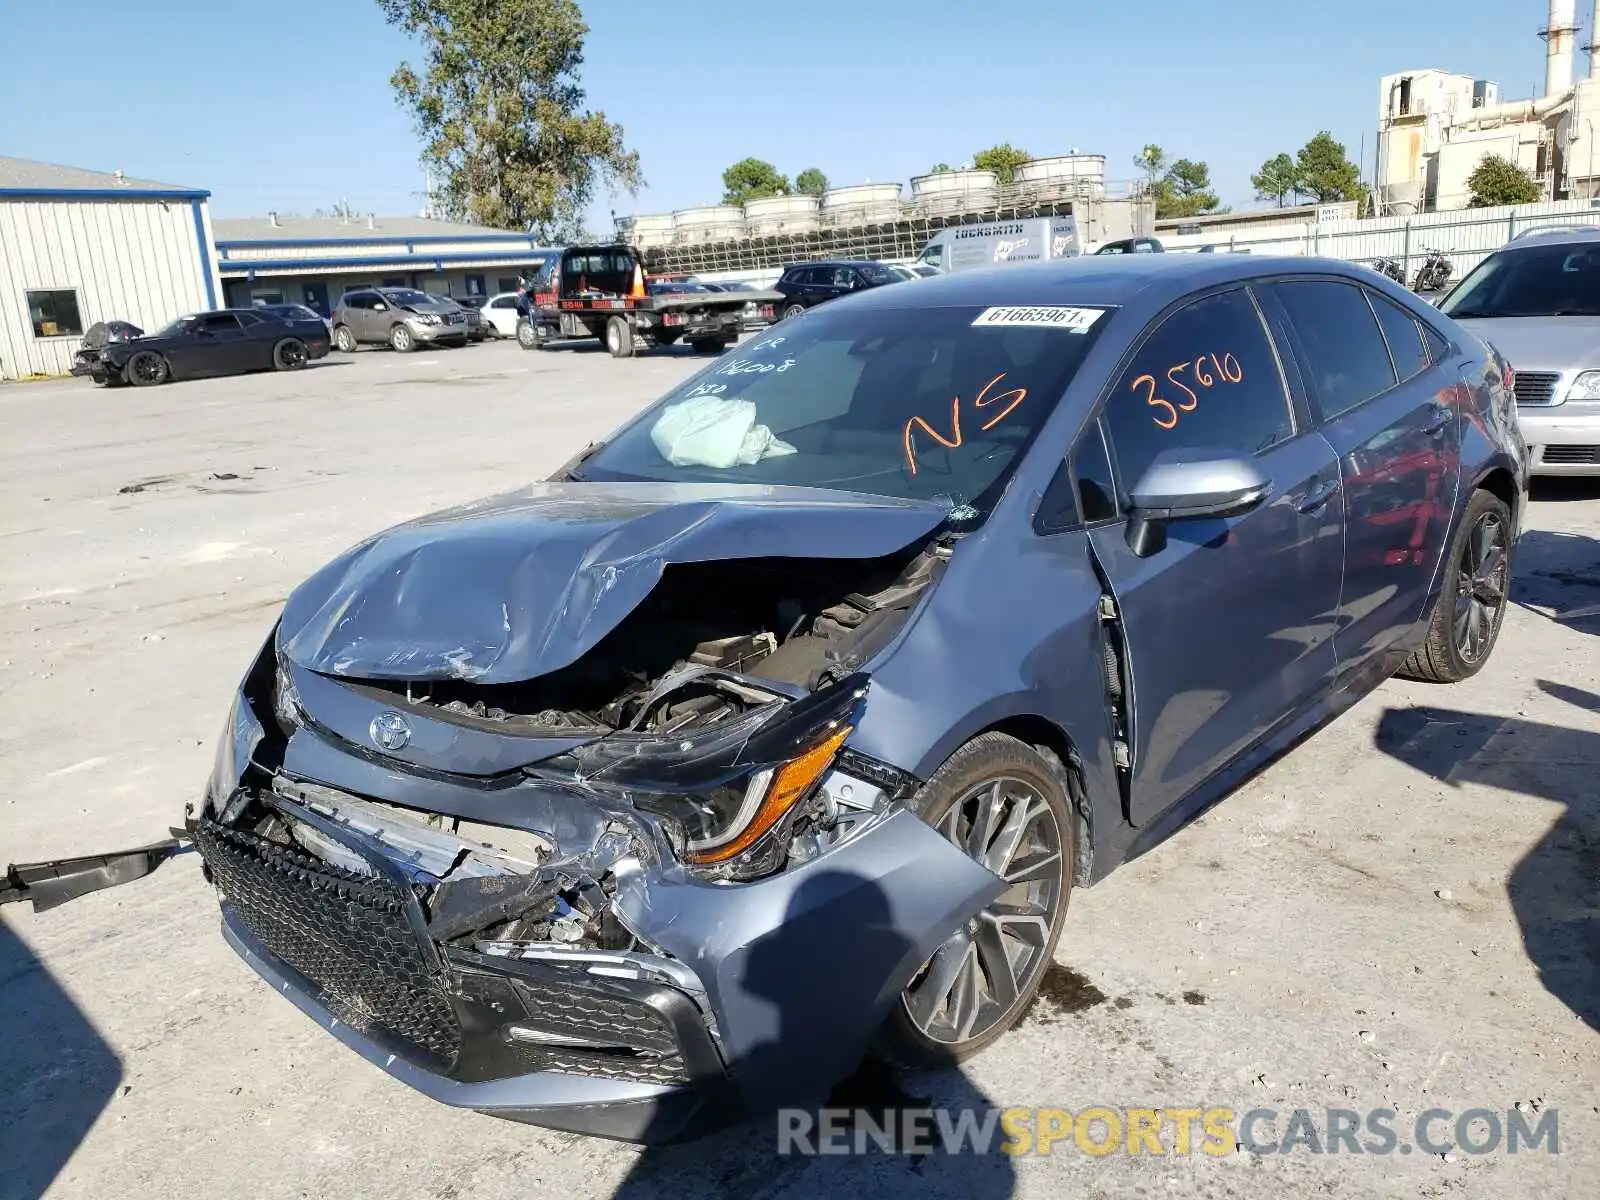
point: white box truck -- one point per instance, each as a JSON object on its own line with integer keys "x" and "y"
{"x": 1032, "y": 239}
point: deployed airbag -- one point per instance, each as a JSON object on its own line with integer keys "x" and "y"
{"x": 711, "y": 431}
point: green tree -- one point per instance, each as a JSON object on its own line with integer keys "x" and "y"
{"x": 1003, "y": 160}
{"x": 1497, "y": 180}
{"x": 811, "y": 182}
{"x": 940, "y": 169}
{"x": 1278, "y": 179}
{"x": 752, "y": 179}
{"x": 1326, "y": 174}
{"x": 501, "y": 113}
{"x": 1187, "y": 191}
{"x": 1151, "y": 161}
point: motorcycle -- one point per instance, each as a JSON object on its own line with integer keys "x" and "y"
{"x": 1433, "y": 274}
{"x": 1390, "y": 268}
{"x": 87, "y": 361}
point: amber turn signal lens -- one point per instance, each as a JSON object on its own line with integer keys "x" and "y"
{"x": 789, "y": 783}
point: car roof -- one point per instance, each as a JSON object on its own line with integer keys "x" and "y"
{"x": 1554, "y": 235}
{"x": 1111, "y": 280}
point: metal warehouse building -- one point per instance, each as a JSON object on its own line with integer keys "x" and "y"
{"x": 79, "y": 246}
{"x": 315, "y": 260}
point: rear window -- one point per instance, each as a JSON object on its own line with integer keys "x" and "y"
{"x": 932, "y": 403}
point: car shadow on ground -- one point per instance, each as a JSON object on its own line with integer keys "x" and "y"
{"x": 865, "y": 1150}
{"x": 1557, "y": 576}
{"x": 56, "y": 1073}
{"x": 1552, "y": 890}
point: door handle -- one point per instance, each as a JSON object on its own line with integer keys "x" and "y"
{"x": 1317, "y": 496}
{"x": 1435, "y": 425}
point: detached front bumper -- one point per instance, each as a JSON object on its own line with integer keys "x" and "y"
{"x": 743, "y": 997}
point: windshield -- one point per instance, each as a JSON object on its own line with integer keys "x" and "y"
{"x": 927, "y": 403}
{"x": 177, "y": 327}
{"x": 1533, "y": 281}
{"x": 407, "y": 296}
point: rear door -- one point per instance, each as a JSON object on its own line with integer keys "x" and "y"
{"x": 1389, "y": 415}
{"x": 1227, "y": 629}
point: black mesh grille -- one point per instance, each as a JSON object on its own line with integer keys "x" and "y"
{"x": 1572, "y": 455}
{"x": 643, "y": 1045}
{"x": 1535, "y": 387}
{"x": 346, "y": 933}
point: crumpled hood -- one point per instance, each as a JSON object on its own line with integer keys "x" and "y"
{"x": 1541, "y": 343}
{"x": 510, "y": 588}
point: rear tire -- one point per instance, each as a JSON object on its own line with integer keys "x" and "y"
{"x": 1466, "y": 620}
{"x": 289, "y": 355}
{"x": 343, "y": 340}
{"x": 793, "y": 310}
{"x": 401, "y": 340}
{"x": 147, "y": 368}
{"x": 619, "y": 337}
{"x": 983, "y": 979}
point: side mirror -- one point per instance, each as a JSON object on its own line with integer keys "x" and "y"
{"x": 1190, "y": 484}
{"x": 380, "y": 308}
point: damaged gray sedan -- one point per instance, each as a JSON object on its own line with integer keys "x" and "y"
{"x": 776, "y": 729}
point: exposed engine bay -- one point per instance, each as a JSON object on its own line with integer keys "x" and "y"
{"x": 797, "y": 623}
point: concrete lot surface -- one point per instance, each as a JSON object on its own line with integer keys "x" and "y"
{"x": 1401, "y": 914}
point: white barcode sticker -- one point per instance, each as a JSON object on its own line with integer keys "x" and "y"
{"x": 1049, "y": 316}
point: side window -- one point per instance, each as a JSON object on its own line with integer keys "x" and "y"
{"x": 844, "y": 277}
{"x": 1346, "y": 359}
{"x": 248, "y": 320}
{"x": 503, "y": 302}
{"x": 1207, "y": 377}
{"x": 1438, "y": 347}
{"x": 1091, "y": 469}
{"x": 219, "y": 323}
{"x": 1403, "y": 334}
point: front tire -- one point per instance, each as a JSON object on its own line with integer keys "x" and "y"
{"x": 401, "y": 340}
{"x": 289, "y": 355}
{"x": 527, "y": 335}
{"x": 147, "y": 368}
{"x": 344, "y": 340}
{"x": 1007, "y": 805}
{"x": 1471, "y": 608}
{"x": 619, "y": 337}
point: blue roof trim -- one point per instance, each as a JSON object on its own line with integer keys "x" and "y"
{"x": 124, "y": 193}
{"x": 205, "y": 252}
{"x": 363, "y": 234}
{"x": 241, "y": 266}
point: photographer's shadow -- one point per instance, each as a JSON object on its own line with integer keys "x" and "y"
{"x": 834, "y": 920}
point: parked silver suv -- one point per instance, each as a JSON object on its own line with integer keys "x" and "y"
{"x": 1537, "y": 299}
{"x": 401, "y": 317}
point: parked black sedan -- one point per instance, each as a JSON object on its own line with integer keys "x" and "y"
{"x": 806, "y": 285}
{"x": 229, "y": 341}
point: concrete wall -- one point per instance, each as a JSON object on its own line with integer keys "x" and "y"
{"x": 141, "y": 260}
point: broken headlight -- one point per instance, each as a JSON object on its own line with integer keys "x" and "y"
{"x": 736, "y": 788}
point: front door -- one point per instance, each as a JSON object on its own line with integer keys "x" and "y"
{"x": 1227, "y": 628}
{"x": 1391, "y": 416}
{"x": 215, "y": 345}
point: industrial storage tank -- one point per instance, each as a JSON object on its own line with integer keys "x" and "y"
{"x": 653, "y": 229}
{"x": 1063, "y": 176}
{"x": 711, "y": 223}
{"x": 773, "y": 215}
{"x": 861, "y": 204}
{"x": 955, "y": 191}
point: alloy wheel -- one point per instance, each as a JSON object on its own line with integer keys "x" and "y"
{"x": 291, "y": 356}
{"x": 400, "y": 338}
{"x": 989, "y": 966}
{"x": 1481, "y": 579}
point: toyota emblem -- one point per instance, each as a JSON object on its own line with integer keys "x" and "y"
{"x": 389, "y": 731}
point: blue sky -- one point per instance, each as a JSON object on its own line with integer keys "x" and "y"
{"x": 286, "y": 105}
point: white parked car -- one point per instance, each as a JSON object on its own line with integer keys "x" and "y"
{"x": 500, "y": 311}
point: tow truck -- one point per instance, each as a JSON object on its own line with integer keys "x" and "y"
{"x": 599, "y": 292}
